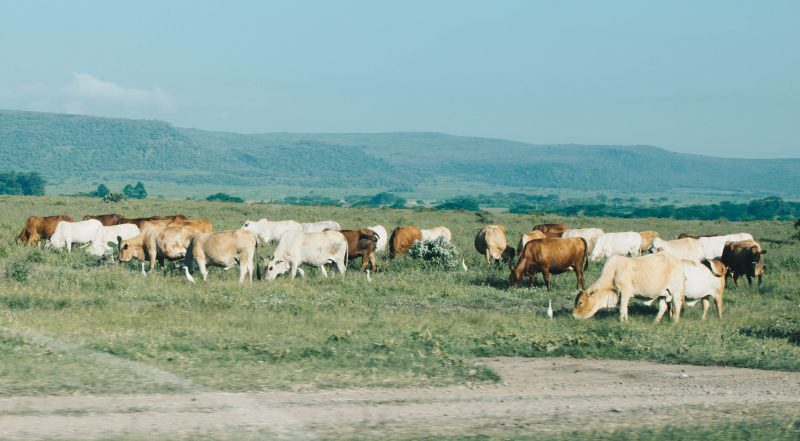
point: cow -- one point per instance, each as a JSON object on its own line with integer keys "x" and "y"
{"x": 155, "y": 243}
{"x": 491, "y": 242}
{"x": 704, "y": 280}
{"x": 713, "y": 246}
{"x": 316, "y": 227}
{"x": 139, "y": 221}
{"x": 383, "y": 237}
{"x": 68, "y": 233}
{"x": 37, "y": 228}
{"x": 106, "y": 234}
{"x": 402, "y": 238}
{"x": 222, "y": 249}
{"x": 200, "y": 225}
{"x": 744, "y": 257}
{"x": 588, "y": 234}
{"x": 550, "y": 256}
{"x": 361, "y": 242}
{"x": 271, "y": 230}
{"x": 106, "y": 219}
{"x": 684, "y": 236}
{"x": 552, "y": 230}
{"x": 317, "y": 249}
{"x": 647, "y": 240}
{"x": 527, "y": 237}
{"x": 436, "y": 232}
{"x": 654, "y": 276}
{"x": 610, "y": 244}
{"x": 686, "y": 248}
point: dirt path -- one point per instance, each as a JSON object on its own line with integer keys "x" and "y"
{"x": 543, "y": 394}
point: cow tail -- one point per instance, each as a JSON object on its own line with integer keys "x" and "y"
{"x": 585, "y": 254}
{"x": 256, "y": 262}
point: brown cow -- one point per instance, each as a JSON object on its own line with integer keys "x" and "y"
{"x": 744, "y": 257}
{"x": 37, "y": 229}
{"x": 360, "y": 242}
{"x": 552, "y": 230}
{"x": 402, "y": 238}
{"x": 550, "y": 256}
{"x": 139, "y": 221}
{"x": 684, "y": 236}
{"x": 647, "y": 240}
{"x": 106, "y": 219}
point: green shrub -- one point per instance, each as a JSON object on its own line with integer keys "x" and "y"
{"x": 437, "y": 252}
{"x": 113, "y": 197}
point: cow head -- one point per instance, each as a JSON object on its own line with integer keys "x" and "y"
{"x": 588, "y": 302}
{"x": 275, "y": 267}
{"x": 129, "y": 249}
{"x": 657, "y": 245}
{"x": 508, "y": 254}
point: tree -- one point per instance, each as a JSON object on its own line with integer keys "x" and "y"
{"x": 102, "y": 191}
{"x": 137, "y": 192}
{"x": 224, "y": 197}
{"x": 12, "y": 182}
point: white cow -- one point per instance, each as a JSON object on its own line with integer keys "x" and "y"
{"x": 611, "y": 244}
{"x": 68, "y": 233}
{"x": 108, "y": 234}
{"x": 686, "y": 248}
{"x": 713, "y": 246}
{"x": 382, "y": 237}
{"x": 317, "y": 249}
{"x": 590, "y": 235}
{"x": 271, "y": 230}
{"x": 436, "y": 232}
{"x": 703, "y": 281}
{"x": 316, "y": 227}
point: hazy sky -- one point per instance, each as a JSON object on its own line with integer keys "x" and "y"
{"x": 719, "y": 78}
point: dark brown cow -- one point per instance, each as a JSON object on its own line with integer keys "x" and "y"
{"x": 402, "y": 238}
{"x": 552, "y": 230}
{"x": 37, "y": 229}
{"x": 684, "y": 236}
{"x": 106, "y": 219}
{"x": 550, "y": 256}
{"x": 361, "y": 242}
{"x": 744, "y": 257}
{"x": 139, "y": 221}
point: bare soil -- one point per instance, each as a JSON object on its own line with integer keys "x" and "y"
{"x": 535, "y": 395}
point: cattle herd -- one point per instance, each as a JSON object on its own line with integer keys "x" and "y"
{"x": 673, "y": 273}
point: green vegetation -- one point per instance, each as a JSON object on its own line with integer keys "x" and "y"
{"x": 21, "y": 183}
{"x": 135, "y": 192}
{"x": 224, "y": 197}
{"x": 413, "y": 324}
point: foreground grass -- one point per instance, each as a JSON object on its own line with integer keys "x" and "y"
{"x": 410, "y": 326}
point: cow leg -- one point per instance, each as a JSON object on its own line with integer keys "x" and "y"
{"x": 322, "y": 269}
{"x": 546, "y": 277}
{"x": 719, "y": 304}
{"x": 662, "y": 308}
{"x": 759, "y": 279}
{"x": 372, "y": 261}
{"x": 736, "y": 279}
{"x": 152, "y": 261}
{"x": 706, "y": 304}
{"x": 749, "y": 280}
{"x": 623, "y": 306}
{"x": 294, "y": 271}
{"x": 201, "y": 263}
{"x": 488, "y": 257}
{"x": 580, "y": 284}
{"x": 364, "y": 263}
{"x": 677, "y": 304}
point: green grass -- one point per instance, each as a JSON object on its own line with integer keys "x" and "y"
{"x": 410, "y": 326}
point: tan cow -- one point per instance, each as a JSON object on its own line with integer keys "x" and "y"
{"x": 527, "y": 237}
{"x": 402, "y": 238}
{"x": 223, "y": 249}
{"x": 550, "y": 256}
{"x": 654, "y": 276}
{"x": 552, "y": 230}
{"x": 156, "y": 244}
{"x": 647, "y": 240}
{"x": 141, "y": 220}
{"x": 744, "y": 257}
{"x": 686, "y": 248}
{"x": 37, "y": 228}
{"x": 436, "y": 232}
{"x": 491, "y": 242}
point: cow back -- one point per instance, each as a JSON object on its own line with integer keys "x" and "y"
{"x": 402, "y": 238}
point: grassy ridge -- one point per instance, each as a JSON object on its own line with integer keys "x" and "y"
{"x": 411, "y": 325}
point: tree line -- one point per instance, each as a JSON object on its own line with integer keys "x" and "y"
{"x": 31, "y": 184}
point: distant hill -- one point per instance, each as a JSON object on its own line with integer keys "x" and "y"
{"x": 59, "y": 146}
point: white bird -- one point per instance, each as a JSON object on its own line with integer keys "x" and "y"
{"x": 369, "y": 279}
{"x": 463, "y": 265}
{"x": 144, "y": 273}
{"x": 188, "y": 276}
{"x": 550, "y": 308}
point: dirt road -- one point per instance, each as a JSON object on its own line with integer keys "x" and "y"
{"x": 540, "y": 394}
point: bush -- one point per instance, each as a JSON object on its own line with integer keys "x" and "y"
{"x": 437, "y": 252}
{"x": 113, "y": 197}
{"x": 224, "y": 197}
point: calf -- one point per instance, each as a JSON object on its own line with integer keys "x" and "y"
{"x": 550, "y": 256}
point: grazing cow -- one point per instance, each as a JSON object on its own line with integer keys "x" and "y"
{"x": 435, "y": 233}
{"x": 704, "y": 280}
{"x": 713, "y": 246}
{"x": 106, "y": 234}
{"x": 684, "y": 236}
{"x": 402, "y": 238}
{"x": 527, "y": 237}
{"x": 155, "y": 243}
{"x": 68, "y": 233}
{"x": 383, "y": 237}
{"x": 106, "y": 219}
{"x": 139, "y": 221}
{"x": 552, "y": 230}
{"x": 654, "y": 276}
{"x": 550, "y": 256}
{"x": 223, "y": 249}
{"x": 647, "y": 240}
{"x": 316, "y": 227}
{"x": 686, "y": 248}
{"x": 199, "y": 225}
{"x": 271, "y": 230}
{"x": 491, "y": 242}
{"x": 611, "y": 244}
{"x": 317, "y": 249}
{"x": 744, "y": 257}
{"x": 590, "y": 235}
{"x": 37, "y": 228}
{"x": 361, "y": 242}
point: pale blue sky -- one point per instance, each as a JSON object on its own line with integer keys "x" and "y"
{"x": 720, "y": 78}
